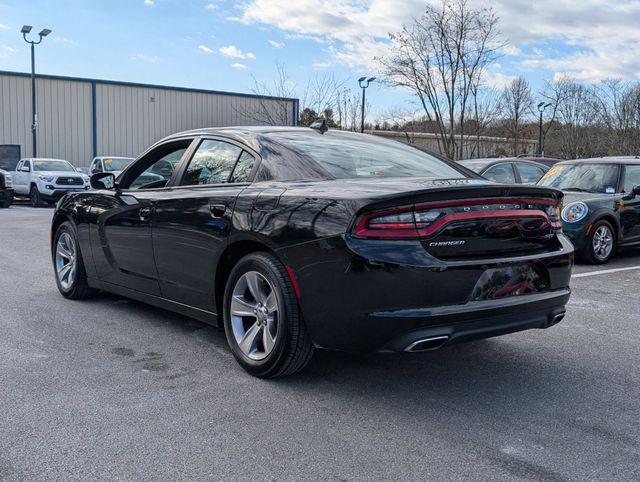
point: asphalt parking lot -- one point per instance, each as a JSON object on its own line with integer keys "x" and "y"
{"x": 114, "y": 389}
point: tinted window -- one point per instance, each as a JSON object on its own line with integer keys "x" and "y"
{"x": 529, "y": 174}
{"x": 351, "y": 156}
{"x": 212, "y": 163}
{"x": 502, "y": 173}
{"x": 631, "y": 177}
{"x": 243, "y": 168}
{"x": 160, "y": 163}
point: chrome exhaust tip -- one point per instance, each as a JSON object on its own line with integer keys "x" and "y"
{"x": 557, "y": 319}
{"x": 427, "y": 344}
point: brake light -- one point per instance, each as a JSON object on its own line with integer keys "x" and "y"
{"x": 424, "y": 220}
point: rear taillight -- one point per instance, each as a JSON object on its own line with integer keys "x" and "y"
{"x": 424, "y": 220}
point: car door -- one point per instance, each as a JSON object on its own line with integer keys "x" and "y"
{"x": 529, "y": 173}
{"x": 121, "y": 241}
{"x": 630, "y": 209}
{"x": 22, "y": 176}
{"x": 191, "y": 224}
{"x": 502, "y": 173}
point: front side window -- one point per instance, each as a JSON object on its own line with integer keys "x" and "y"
{"x": 212, "y": 163}
{"x": 52, "y": 165}
{"x": 631, "y": 177}
{"x": 502, "y": 173}
{"x": 584, "y": 177}
{"x": 157, "y": 166}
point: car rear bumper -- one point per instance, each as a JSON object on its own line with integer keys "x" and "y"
{"x": 355, "y": 298}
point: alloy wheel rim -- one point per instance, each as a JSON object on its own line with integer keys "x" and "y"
{"x": 66, "y": 260}
{"x": 254, "y": 315}
{"x": 602, "y": 242}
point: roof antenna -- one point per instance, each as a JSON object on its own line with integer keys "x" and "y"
{"x": 320, "y": 125}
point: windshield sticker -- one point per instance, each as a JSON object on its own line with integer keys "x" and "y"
{"x": 554, "y": 170}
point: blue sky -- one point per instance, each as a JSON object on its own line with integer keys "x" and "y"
{"x": 218, "y": 44}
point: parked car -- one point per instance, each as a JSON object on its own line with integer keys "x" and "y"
{"x": 507, "y": 170}
{"x": 547, "y": 161}
{"x": 116, "y": 165}
{"x": 294, "y": 239}
{"x": 601, "y": 207}
{"x": 47, "y": 180}
{"x": 6, "y": 189}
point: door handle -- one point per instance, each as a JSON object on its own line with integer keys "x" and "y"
{"x": 217, "y": 210}
{"x": 144, "y": 214}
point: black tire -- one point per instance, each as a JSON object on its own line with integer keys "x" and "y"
{"x": 5, "y": 204}
{"x": 79, "y": 289}
{"x": 292, "y": 348}
{"x": 589, "y": 253}
{"x": 34, "y": 197}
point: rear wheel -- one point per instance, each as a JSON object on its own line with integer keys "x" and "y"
{"x": 34, "y": 196}
{"x": 262, "y": 319}
{"x": 601, "y": 243}
{"x": 71, "y": 276}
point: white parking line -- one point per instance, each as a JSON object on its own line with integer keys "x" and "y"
{"x": 604, "y": 271}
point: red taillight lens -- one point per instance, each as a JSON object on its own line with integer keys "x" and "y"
{"x": 424, "y": 220}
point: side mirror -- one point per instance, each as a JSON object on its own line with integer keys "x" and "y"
{"x": 103, "y": 180}
{"x": 635, "y": 191}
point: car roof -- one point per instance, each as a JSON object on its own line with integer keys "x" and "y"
{"x": 486, "y": 162}
{"x": 43, "y": 159}
{"x": 113, "y": 157}
{"x": 606, "y": 160}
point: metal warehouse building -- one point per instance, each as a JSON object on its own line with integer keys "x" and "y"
{"x": 79, "y": 119}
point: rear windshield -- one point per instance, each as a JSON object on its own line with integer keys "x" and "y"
{"x": 352, "y": 156}
{"x": 49, "y": 165}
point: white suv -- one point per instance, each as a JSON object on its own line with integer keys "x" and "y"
{"x": 47, "y": 180}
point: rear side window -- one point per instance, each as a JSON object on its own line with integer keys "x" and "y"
{"x": 212, "y": 163}
{"x": 243, "y": 168}
{"x": 502, "y": 173}
{"x": 631, "y": 177}
{"x": 529, "y": 174}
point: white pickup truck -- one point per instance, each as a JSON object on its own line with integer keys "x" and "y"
{"x": 47, "y": 180}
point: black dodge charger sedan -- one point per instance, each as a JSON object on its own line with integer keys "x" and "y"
{"x": 294, "y": 239}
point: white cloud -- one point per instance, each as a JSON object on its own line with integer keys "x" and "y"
{"x": 205, "y": 49}
{"x": 591, "y": 39}
{"x": 149, "y": 59}
{"x": 239, "y": 66}
{"x": 6, "y": 51}
{"x": 64, "y": 40}
{"x": 4, "y": 26}
{"x": 320, "y": 65}
{"x": 275, "y": 44}
{"x": 150, "y": 3}
{"x": 211, "y": 6}
{"x": 235, "y": 52}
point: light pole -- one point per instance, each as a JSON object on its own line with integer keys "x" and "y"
{"x": 541, "y": 107}
{"x": 26, "y": 29}
{"x": 363, "y": 82}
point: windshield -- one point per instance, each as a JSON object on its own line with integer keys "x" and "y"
{"x": 116, "y": 163}
{"x": 52, "y": 165}
{"x": 348, "y": 156}
{"x": 587, "y": 177}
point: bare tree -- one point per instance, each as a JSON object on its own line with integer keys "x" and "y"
{"x": 440, "y": 57}
{"x": 515, "y": 104}
{"x": 268, "y": 111}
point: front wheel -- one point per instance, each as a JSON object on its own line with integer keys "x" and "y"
{"x": 71, "y": 276}
{"x": 601, "y": 243}
{"x": 34, "y": 196}
{"x": 262, "y": 319}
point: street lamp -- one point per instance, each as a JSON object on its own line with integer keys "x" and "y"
{"x": 363, "y": 82}
{"x": 541, "y": 107}
{"x": 26, "y": 29}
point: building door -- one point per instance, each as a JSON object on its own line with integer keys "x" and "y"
{"x": 9, "y": 156}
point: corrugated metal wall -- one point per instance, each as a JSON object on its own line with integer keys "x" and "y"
{"x": 128, "y": 117}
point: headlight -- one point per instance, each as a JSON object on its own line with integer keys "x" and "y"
{"x": 575, "y": 212}
{"x": 46, "y": 178}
